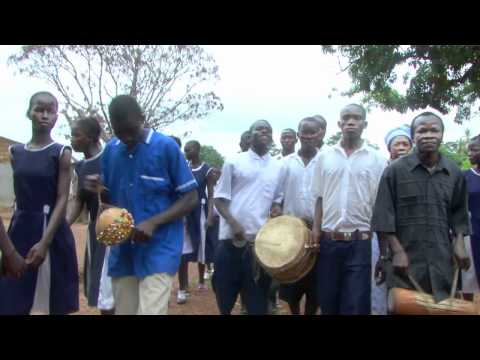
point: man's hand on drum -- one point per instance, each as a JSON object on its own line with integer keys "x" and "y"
{"x": 237, "y": 230}
{"x": 275, "y": 210}
{"x": 143, "y": 231}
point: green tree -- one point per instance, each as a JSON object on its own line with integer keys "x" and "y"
{"x": 334, "y": 139}
{"x": 211, "y": 156}
{"x": 444, "y": 77}
{"x": 457, "y": 151}
{"x": 171, "y": 83}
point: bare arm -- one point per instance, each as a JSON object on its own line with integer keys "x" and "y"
{"x": 222, "y": 206}
{"x": 400, "y": 260}
{"x": 210, "y": 201}
{"x": 74, "y": 211}
{"x": 59, "y": 211}
{"x": 13, "y": 263}
{"x": 317, "y": 224}
{"x": 392, "y": 240}
{"x": 6, "y": 245}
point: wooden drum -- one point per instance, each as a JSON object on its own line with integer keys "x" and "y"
{"x": 411, "y": 302}
{"x": 280, "y": 249}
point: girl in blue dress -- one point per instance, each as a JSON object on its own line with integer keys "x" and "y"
{"x": 472, "y": 176}
{"x": 85, "y": 138}
{"x": 196, "y": 222}
{"x": 38, "y": 230}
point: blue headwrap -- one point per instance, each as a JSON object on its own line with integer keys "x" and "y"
{"x": 403, "y": 130}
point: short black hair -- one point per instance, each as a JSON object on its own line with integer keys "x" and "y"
{"x": 40, "y": 93}
{"x": 323, "y": 121}
{"x": 251, "y": 126}
{"x": 364, "y": 112}
{"x": 314, "y": 119}
{"x": 244, "y": 134}
{"x": 289, "y": 130}
{"x": 195, "y": 143}
{"x": 122, "y": 106}
{"x": 90, "y": 126}
{"x": 177, "y": 140}
{"x": 425, "y": 113}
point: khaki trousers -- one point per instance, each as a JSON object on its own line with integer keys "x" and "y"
{"x": 147, "y": 296}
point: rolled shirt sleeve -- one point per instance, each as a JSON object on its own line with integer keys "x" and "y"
{"x": 179, "y": 172}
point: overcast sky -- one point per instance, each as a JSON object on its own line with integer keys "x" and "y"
{"x": 281, "y": 84}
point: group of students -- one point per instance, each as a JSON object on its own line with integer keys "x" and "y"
{"x": 371, "y": 219}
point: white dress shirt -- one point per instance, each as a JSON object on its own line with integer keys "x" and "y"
{"x": 296, "y": 186}
{"x": 251, "y": 183}
{"x": 348, "y": 187}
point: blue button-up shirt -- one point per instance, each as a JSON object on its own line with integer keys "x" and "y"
{"x": 146, "y": 181}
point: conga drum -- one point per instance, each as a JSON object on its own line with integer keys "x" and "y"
{"x": 280, "y": 249}
{"x": 411, "y": 302}
{"x": 114, "y": 225}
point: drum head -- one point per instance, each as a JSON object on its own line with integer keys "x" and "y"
{"x": 280, "y": 241}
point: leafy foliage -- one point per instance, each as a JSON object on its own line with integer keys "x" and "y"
{"x": 211, "y": 156}
{"x": 440, "y": 76}
{"x": 457, "y": 151}
{"x": 171, "y": 83}
{"x": 334, "y": 139}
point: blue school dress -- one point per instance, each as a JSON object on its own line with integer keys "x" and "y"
{"x": 53, "y": 287}
{"x": 473, "y": 185}
{"x": 196, "y": 220}
{"x": 95, "y": 250}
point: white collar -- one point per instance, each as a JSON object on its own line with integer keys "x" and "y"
{"x": 94, "y": 157}
{"x": 364, "y": 147}
{"x": 41, "y": 149}
{"x": 146, "y": 141}
{"x": 254, "y": 155}
{"x": 197, "y": 168}
{"x": 300, "y": 160}
{"x": 475, "y": 172}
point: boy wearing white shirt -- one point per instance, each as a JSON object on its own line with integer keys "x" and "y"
{"x": 244, "y": 195}
{"x": 297, "y": 174}
{"x": 345, "y": 186}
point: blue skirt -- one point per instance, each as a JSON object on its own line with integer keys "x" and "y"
{"x": 17, "y": 295}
